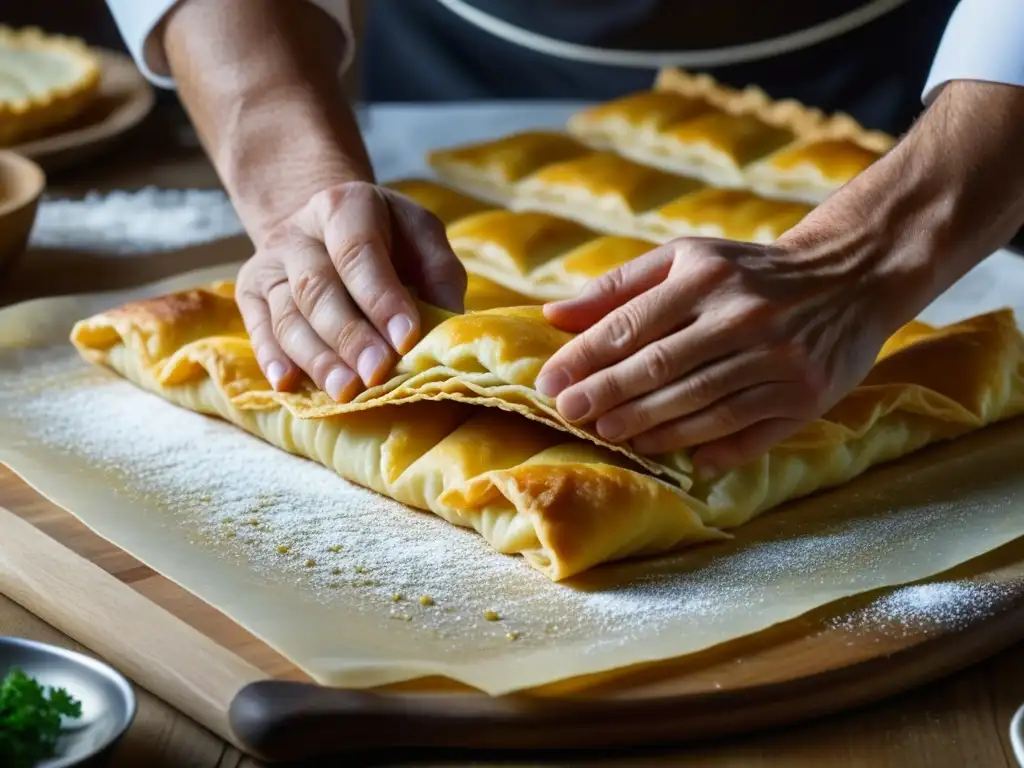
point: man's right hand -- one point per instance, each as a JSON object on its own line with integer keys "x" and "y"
{"x": 326, "y": 292}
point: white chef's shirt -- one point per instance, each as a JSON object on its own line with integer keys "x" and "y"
{"x": 138, "y": 19}
{"x": 984, "y": 40}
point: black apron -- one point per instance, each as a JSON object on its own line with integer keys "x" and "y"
{"x": 419, "y": 50}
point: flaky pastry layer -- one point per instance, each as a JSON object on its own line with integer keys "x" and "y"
{"x": 460, "y": 430}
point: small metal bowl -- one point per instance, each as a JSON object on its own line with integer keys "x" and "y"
{"x": 108, "y": 701}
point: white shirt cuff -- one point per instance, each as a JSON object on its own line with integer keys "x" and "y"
{"x": 138, "y": 19}
{"x": 984, "y": 40}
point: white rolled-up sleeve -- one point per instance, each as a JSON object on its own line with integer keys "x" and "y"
{"x": 137, "y": 20}
{"x": 984, "y": 40}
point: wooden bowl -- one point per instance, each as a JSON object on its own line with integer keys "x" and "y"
{"x": 21, "y": 185}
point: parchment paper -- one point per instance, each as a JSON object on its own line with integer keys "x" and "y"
{"x": 902, "y": 522}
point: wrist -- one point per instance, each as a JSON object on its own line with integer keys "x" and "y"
{"x": 278, "y": 150}
{"x": 949, "y": 194}
{"x": 259, "y": 80}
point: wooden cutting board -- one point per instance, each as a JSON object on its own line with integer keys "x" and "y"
{"x": 201, "y": 662}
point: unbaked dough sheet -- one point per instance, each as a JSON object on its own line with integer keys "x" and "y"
{"x": 899, "y": 523}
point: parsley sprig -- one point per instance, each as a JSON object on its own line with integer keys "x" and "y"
{"x": 30, "y": 719}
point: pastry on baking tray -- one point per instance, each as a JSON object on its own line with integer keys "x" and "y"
{"x": 635, "y": 118}
{"x": 603, "y": 190}
{"x": 506, "y": 246}
{"x": 735, "y": 214}
{"x": 482, "y": 293}
{"x": 460, "y": 430}
{"x": 447, "y": 204}
{"x": 491, "y": 169}
{"x": 714, "y": 147}
{"x": 813, "y": 168}
{"x": 538, "y": 255}
{"x": 566, "y": 275}
{"x": 45, "y": 82}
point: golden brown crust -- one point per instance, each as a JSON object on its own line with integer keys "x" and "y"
{"x": 449, "y": 205}
{"x": 185, "y": 348}
{"x": 735, "y": 214}
{"x": 38, "y": 110}
{"x": 491, "y": 169}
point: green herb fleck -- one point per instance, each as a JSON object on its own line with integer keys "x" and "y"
{"x": 30, "y": 719}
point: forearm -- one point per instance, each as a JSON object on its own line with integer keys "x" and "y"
{"x": 259, "y": 80}
{"x": 950, "y": 193}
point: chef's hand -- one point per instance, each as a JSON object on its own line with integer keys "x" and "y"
{"x": 725, "y": 345}
{"x": 325, "y": 292}
{"x": 729, "y": 347}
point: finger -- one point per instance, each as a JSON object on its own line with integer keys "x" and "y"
{"x": 650, "y": 316}
{"x": 720, "y": 456}
{"x": 303, "y": 345}
{"x": 693, "y": 391}
{"x": 425, "y": 256}
{"x": 604, "y": 294}
{"x": 727, "y": 417}
{"x": 272, "y": 360}
{"x": 356, "y": 227}
{"x": 322, "y": 299}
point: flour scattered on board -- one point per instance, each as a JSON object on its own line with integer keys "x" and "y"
{"x": 294, "y": 524}
{"x": 944, "y": 605}
{"x": 124, "y": 223}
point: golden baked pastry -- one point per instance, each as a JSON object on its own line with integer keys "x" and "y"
{"x": 813, "y": 168}
{"x": 602, "y": 190}
{"x": 482, "y": 293}
{"x": 714, "y": 147}
{"x": 696, "y": 127}
{"x": 519, "y": 258}
{"x": 735, "y": 214}
{"x": 460, "y": 431}
{"x": 45, "y": 81}
{"x": 506, "y": 246}
{"x": 537, "y": 255}
{"x": 447, "y": 204}
{"x": 636, "y": 118}
{"x": 491, "y": 169}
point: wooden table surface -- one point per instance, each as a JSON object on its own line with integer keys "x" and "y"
{"x": 959, "y": 721}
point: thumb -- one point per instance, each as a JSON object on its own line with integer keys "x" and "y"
{"x": 424, "y": 255}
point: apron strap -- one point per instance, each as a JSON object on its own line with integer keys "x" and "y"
{"x": 713, "y": 57}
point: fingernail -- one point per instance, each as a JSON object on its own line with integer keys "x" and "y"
{"x": 399, "y": 328}
{"x": 275, "y": 374}
{"x": 337, "y": 382}
{"x": 611, "y": 427}
{"x": 368, "y": 362}
{"x": 575, "y": 406}
{"x": 552, "y": 383}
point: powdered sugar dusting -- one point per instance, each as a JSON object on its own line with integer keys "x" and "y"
{"x": 941, "y": 606}
{"x": 337, "y": 550}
